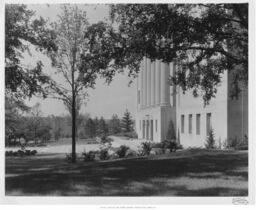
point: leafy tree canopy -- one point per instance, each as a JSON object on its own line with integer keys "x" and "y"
{"x": 203, "y": 41}
{"x": 21, "y": 31}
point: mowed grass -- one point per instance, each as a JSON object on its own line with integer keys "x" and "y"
{"x": 193, "y": 172}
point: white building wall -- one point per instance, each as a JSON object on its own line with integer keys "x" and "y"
{"x": 155, "y": 94}
{"x": 229, "y": 118}
{"x": 187, "y": 104}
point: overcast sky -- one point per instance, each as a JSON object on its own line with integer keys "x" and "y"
{"x": 104, "y": 100}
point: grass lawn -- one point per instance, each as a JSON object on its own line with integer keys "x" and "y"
{"x": 186, "y": 173}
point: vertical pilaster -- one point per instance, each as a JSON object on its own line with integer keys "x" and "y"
{"x": 141, "y": 85}
{"x": 174, "y": 86}
{"x": 144, "y": 82}
{"x": 152, "y": 84}
{"x": 148, "y": 81}
{"x": 165, "y": 89}
{"x": 167, "y": 84}
{"x": 157, "y": 81}
{"x": 163, "y": 84}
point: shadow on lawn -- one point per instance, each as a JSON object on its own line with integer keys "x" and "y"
{"x": 200, "y": 173}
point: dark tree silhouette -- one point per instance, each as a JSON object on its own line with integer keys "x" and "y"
{"x": 127, "y": 123}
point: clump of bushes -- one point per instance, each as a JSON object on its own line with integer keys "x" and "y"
{"x": 105, "y": 148}
{"x": 89, "y": 156}
{"x": 106, "y": 140}
{"x": 121, "y": 151}
{"x": 104, "y": 154}
{"x": 237, "y": 144}
{"x": 146, "y": 148}
{"x": 69, "y": 157}
{"x": 172, "y": 145}
{"x": 20, "y": 153}
{"x": 210, "y": 140}
{"x": 130, "y": 153}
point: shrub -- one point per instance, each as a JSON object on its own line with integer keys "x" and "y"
{"x": 20, "y": 153}
{"x": 33, "y": 152}
{"x": 210, "y": 140}
{"x": 146, "y": 148}
{"x": 69, "y": 157}
{"x": 172, "y": 145}
{"x": 27, "y": 152}
{"x": 106, "y": 140}
{"x": 104, "y": 154}
{"x": 235, "y": 143}
{"x": 171, "y": 132}
{"x": 130, "y": 153}
{"x": 140, "y": 153}
{"x": 90, "y": 156}
{"x": 244, "y": 144}
{"x": 161, "y": 145}
{"x": 232, "y": 143}
{"x": 121, "y": 152}
{"x": 113, "y": 156}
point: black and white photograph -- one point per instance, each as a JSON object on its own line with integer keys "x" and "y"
{"x": 105, "y": 100}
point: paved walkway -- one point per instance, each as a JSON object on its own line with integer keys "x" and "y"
{"x": 132, "y": 143}
{"x": 80, "y": 147}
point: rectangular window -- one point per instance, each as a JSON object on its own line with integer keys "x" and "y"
{"x": 198, "y": 124}
{"x": 208, "y": 122}
{"x": 138, "y": 96}
{"x": 156, "y": 125}
{"x": 182, "y": 123}
{"x": 143, "y": 127}
{"x": 190, "y": 123}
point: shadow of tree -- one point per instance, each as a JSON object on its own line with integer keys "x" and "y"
{"x": 186, "y": 173}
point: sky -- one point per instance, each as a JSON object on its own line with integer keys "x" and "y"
{"x": 105, "y": 100}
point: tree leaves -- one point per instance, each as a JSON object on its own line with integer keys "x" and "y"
{"x": 204, "y": 40}
{"x": 22, "y": 82}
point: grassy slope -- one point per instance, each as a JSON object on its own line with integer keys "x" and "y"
{"x": 185, "y": 173}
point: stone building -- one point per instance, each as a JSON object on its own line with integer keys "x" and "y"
{"x": 159, "y": 104}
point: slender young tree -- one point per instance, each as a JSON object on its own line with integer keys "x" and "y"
{"x": 77, "y": 74}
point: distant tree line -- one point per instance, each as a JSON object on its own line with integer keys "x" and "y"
{"x": 101, "y": 127}
{"x": 35, "y": 128}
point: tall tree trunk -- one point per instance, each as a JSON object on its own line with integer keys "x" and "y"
{"x": 73, "y": 106}
{"x": 73, "y": 127}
